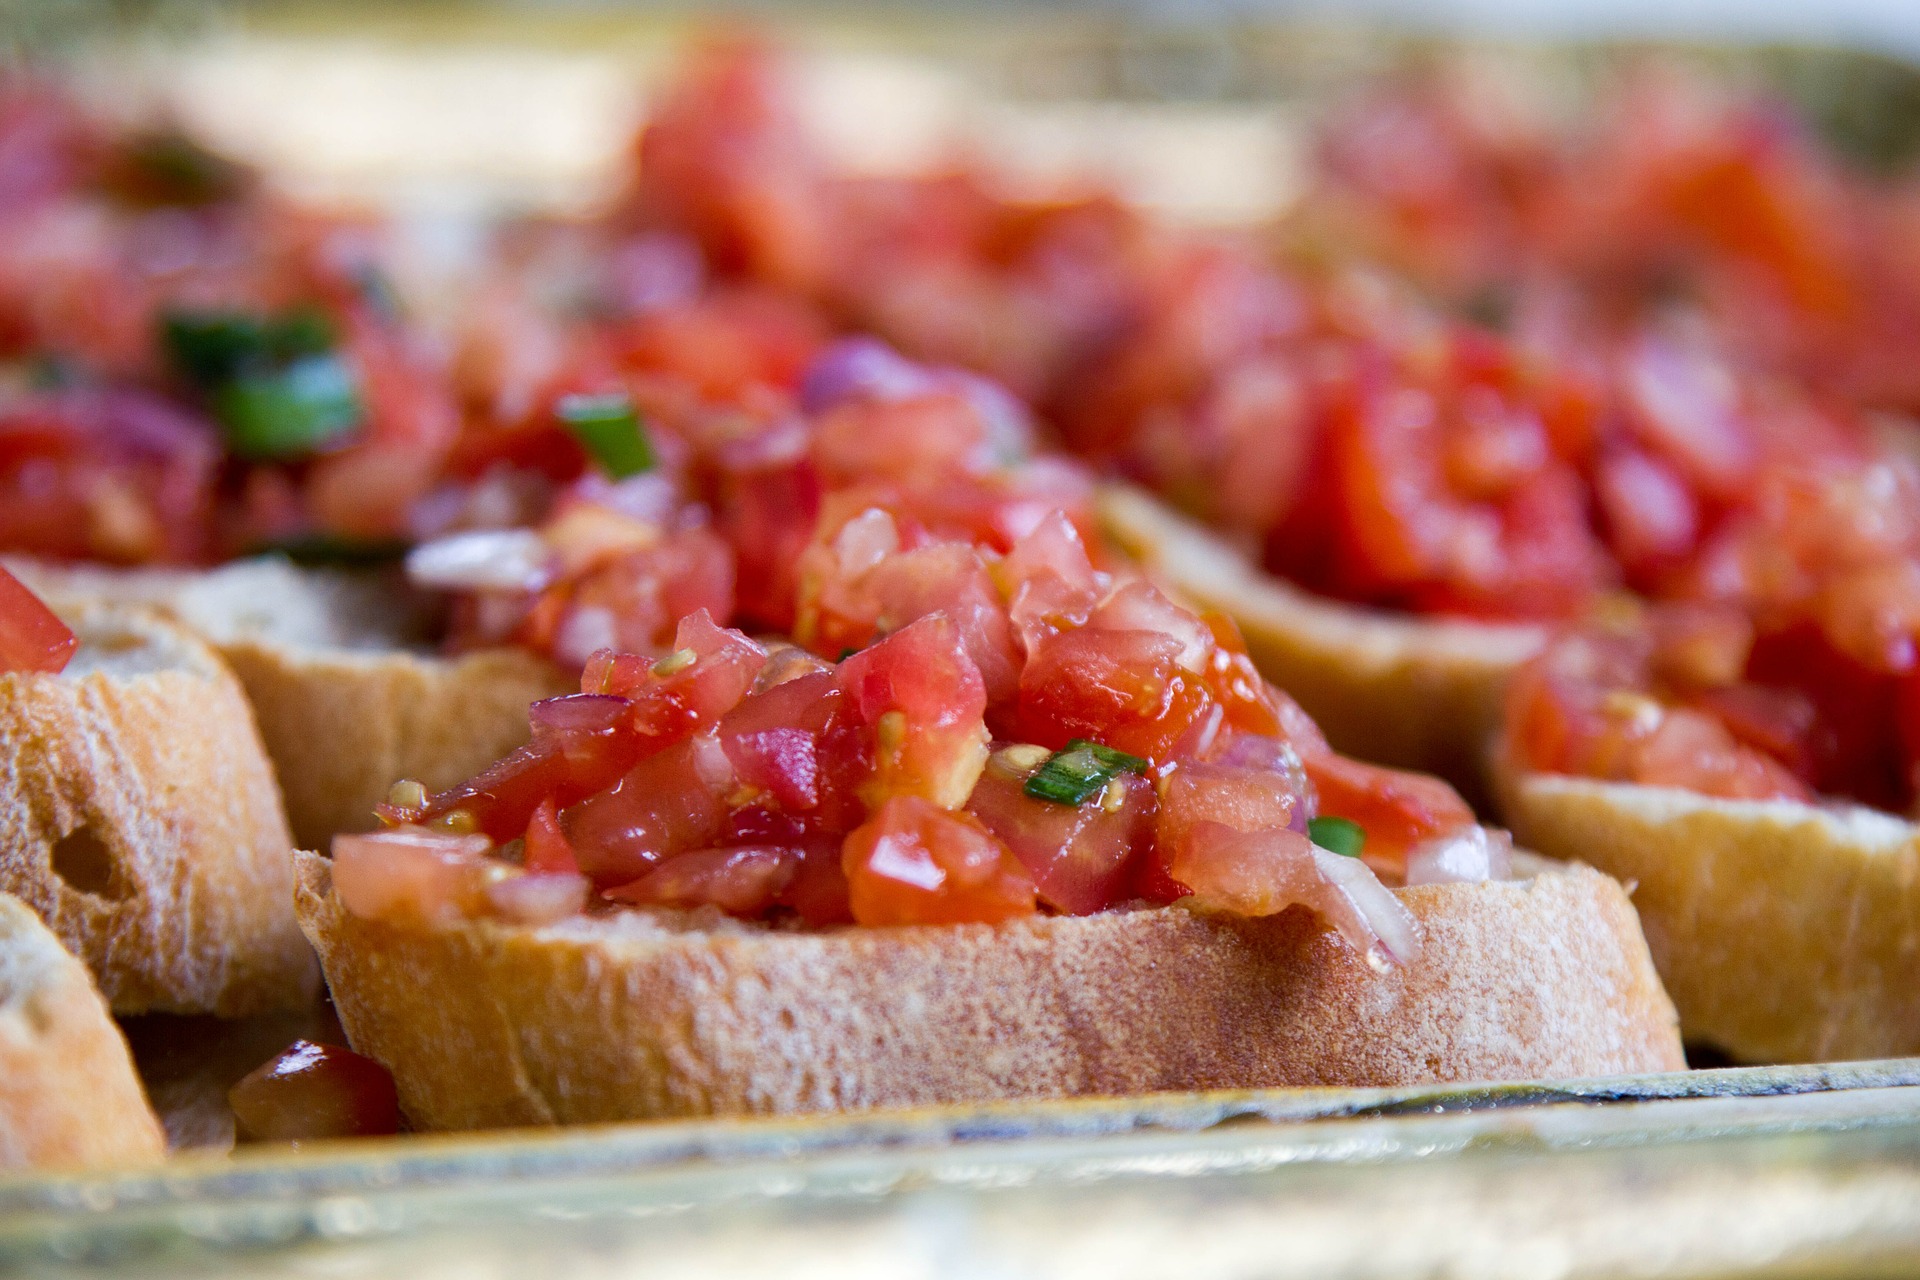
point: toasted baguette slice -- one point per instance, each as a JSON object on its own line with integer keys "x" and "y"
{"x": 644, "y": 1014}
{"x": 347, "y": 697}
{"x": 68, "y": 1092}
{"x": 1419, "y": 693}
{"x": 1786, "y": 932}
{"x": 139, "y": 817}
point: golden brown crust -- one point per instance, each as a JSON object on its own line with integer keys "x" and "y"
{"x": 1785, "y": 932}
{"x": 343, "y": 725}
{"x": 139, "y": 818}
{"x": 345, "y": 706}
{"x": 638, "y": 1015}
{"x": 68, "y": 1093}
{"x": 1419, "y": 693}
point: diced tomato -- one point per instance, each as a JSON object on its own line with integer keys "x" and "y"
{"x": 1126, "y": 689}
{"x": 411, "y": 876}
{"x": 1397, "y": 810}
{"x": 773, "y": 739}
{"x": 1047, "y": 581}
{"x": 744, "y": 880}
{"x": 114, "y": 475}
{"x": 710, "y": 669}
{"x": 921, "y": 700}
{"x": 32, "y": 637}
{"x": 670, "y": 803}
{"x": 1080, "y": 856}
{"x": 1254, "y": 872}
{"x": 581, "y": 743}
{"x": 818, "y": 892}
{"x": 315, "y": 1091}
{"x": 913, "y": 862}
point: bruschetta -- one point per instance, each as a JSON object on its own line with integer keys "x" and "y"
{"x": 978, "y": 755}
{"x": 139, "y": 815}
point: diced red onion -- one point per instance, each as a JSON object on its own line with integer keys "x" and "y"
{"x": 861, "y": 367}
{"x": 1470, "y": 855}
{"x": 865, "y": 541}
{"x": 1373, "y": 919}
{"x": 576, "y": 713}
{"x": 481, "y": 560}
{"x": 653, "y": 271}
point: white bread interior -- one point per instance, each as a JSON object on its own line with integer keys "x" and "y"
{"x": 641, "y": 1014}
{"x": 348, "y": 698}
{"x": 69, "y": 1097}
{"x": 1785, "y": 932}
{"x": 1417, "y": 693}
{"x": 139, "y": 818}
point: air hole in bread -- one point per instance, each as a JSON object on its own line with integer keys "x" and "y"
{"x": 82, "y": 859}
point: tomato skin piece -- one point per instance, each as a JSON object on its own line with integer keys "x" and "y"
{"x": 669, "y": 803}
{"x": 913, "y": 862}
{"x": 32, "y": 637}
{"x": 548, "y": 849}
{"x": 744, "y": 880}
{"x": 311, "y": 1091}
{"x": 1081, "y": 857}
{"x": 818, "y": 891}
{"x": 1396, "y": 809}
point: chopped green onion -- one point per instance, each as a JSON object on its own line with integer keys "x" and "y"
{"x": 210, "y": 347}
{"x": 1080, "y": 771}
{"x": 290, "y": 412}
{"x": 325, "y": 549}
{"x": 303, "y": 331}
{"x": 610, "y": 430}
{"x": 1337, "y": 835}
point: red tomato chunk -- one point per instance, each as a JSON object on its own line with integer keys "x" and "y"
{"x": 315, "y": 1091}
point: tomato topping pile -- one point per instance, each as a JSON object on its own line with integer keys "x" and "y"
{"x": 1794, "y": 671}
{"x": 196, "y": 368}
{"x": 973, "y": 722}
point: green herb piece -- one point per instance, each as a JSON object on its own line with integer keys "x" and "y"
{"x": 1337, "y": 835}
{"x": 609, "y": 429}
{"x": 303, "y": 331}
{"x": 212, "y": 347}
{"x": 209, "y": 347}
{"x": 1080, "y": 771}
{"x": 291, "y": 411}
{"x": 331, "y": 550}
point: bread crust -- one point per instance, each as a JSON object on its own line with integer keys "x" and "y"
{"x": 1417, "y": 693}
{"x": 342, "y": 726}
{"x": 139, "y": 818}
{"x": 68, "y": 1093}
{"x": 1785, "y": 932}
{"x": 641, "y": 1015}
{"x": 345, "y": 706}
